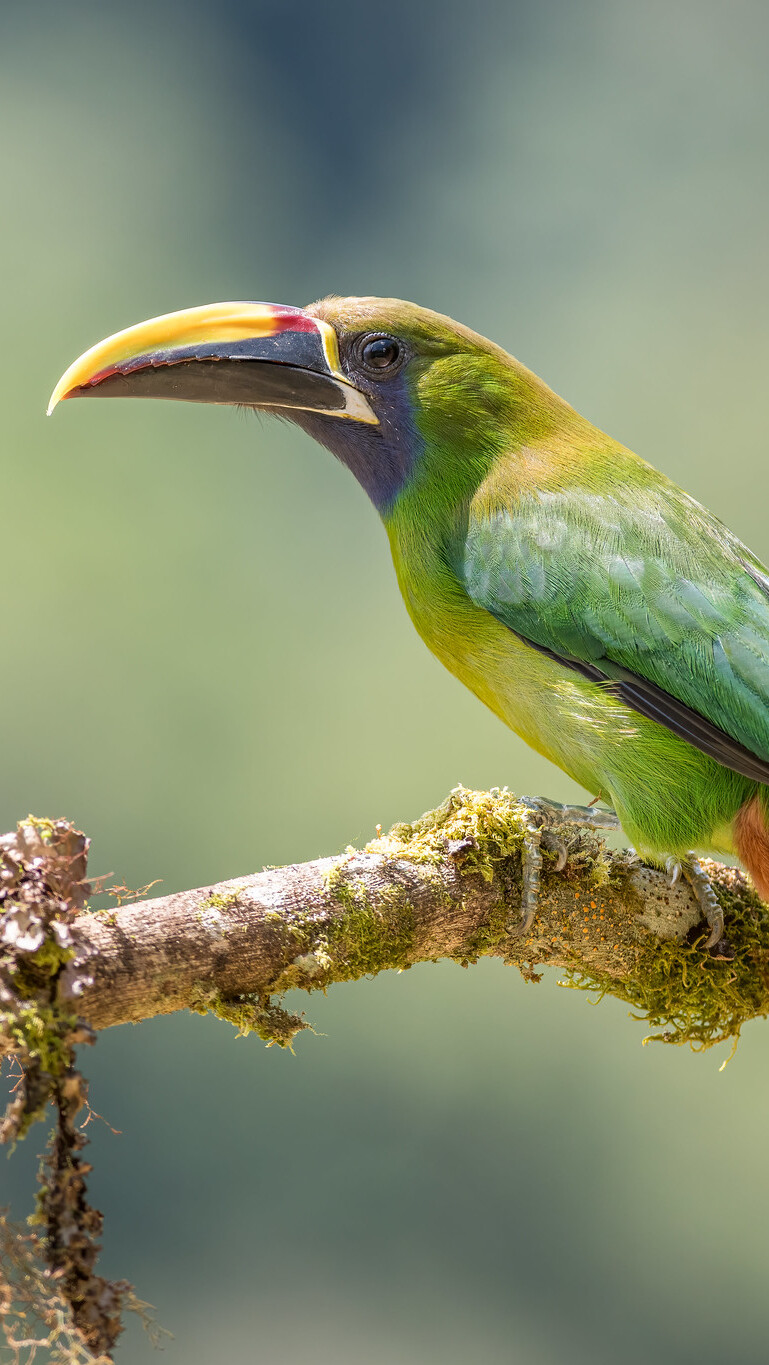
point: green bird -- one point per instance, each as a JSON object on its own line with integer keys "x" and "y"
{"x": 599, "y": 610}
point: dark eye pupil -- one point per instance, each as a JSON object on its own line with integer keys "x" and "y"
{"x": 380, "y": 353}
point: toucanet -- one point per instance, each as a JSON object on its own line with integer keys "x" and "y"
{"x": 599, "y": 610}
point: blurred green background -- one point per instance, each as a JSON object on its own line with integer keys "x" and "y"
{"x": 209, "y": 668}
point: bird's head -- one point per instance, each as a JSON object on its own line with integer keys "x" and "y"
{"x": 387, "y": 386}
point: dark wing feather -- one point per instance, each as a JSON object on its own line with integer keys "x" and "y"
{"x": 651, "y": 701}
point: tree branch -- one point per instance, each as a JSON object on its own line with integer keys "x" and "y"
{"x": 447, "y": 886}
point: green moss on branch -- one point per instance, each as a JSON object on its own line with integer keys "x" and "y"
{"x": 685, "y": 991}
{"x": 447, "y": 885}
{"x": 251, "y": 1014}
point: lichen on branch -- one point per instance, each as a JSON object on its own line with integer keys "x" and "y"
{"x": 447, "y": 885}
{"x": 42, "y": 890}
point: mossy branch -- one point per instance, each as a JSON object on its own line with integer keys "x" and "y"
{"x": 446, "y": 886}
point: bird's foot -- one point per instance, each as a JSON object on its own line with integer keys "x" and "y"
{"x": 540, "y": 814}
{"x": 530, "y": 874}
{"x": 692, "y": 870}
{"x": 587, "y": 817}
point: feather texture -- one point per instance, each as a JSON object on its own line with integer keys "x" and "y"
{"x": 651, "y": 596}
{"x": 601, "y": 612}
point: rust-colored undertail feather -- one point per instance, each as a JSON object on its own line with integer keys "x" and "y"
{"x": 751, "y": 839}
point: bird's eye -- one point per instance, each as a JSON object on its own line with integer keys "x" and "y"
{"x": 380, "y": 353}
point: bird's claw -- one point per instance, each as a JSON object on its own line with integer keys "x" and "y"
{"x": 702, "y": 886}
{"x": 563, "y": 856}
{"x": 673, "y": 868}
{"x": 538, "y": 813}
{"x": 532, "y": 867}
{"x": 549, "y": 813}
{"x": 555, "y": 813}
{"x": 691, "y": 869}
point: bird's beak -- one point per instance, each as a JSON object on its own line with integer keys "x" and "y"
{"x": 259, "y": 354}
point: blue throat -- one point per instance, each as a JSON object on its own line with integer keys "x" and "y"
{"x": 381, "y": 458}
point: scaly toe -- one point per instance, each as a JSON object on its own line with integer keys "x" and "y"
{"x": 530, "y": 872}
{"x": 709, "y": 904}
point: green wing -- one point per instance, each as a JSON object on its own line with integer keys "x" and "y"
{"x": 644, "y": 591}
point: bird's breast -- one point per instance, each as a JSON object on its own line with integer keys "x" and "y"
{"x": 537, "y": 698}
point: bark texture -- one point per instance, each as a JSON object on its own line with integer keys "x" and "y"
{"x": 446, "y": 886}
